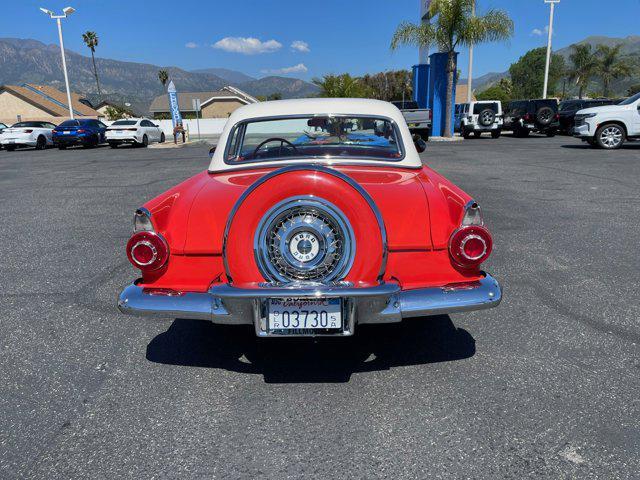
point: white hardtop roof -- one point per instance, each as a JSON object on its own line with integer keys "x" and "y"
{"x": 317, "y": 106}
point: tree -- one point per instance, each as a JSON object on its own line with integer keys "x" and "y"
{"x": 451, "y": 25}
{"x": 91, "y": 40}
{"x": 584, "y": 65}
{"x": 610, "y": 67}
{"x": 341, "y": 86}
{"x": 389, "y": 86}
{"x": 115, "y": 112}
{"x": 500, "y": 91}
{"x": 163, "y": 76}
{"x": 633, "y": 89}
{"x": 527, "y": 74}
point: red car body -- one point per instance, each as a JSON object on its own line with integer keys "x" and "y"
{"x": 402, "y": 222}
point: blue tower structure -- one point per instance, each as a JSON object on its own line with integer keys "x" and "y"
{"x": 430, "y": 81}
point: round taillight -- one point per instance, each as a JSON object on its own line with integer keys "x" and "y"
{"x": 147, "y": 251}
{"x": 470, "y": 246}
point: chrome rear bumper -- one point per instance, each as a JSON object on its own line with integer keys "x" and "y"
{"x": 385, "y": 303}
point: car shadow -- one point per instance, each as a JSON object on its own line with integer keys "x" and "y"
{"x": 586, "y": 146}
{"x": 196, "y": 343}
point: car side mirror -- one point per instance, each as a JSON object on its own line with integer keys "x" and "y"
{"x": 212, "y": 150}
{"x": 419, "y": 143}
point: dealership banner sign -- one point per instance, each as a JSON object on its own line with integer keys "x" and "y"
{"x": 173, "y": 104}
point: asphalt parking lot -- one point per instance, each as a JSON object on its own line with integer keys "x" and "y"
{"x": 545, "y": 386}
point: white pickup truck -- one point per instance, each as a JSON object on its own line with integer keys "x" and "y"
{"x": 418, "y": 119}
{"x": 609, "y": 126}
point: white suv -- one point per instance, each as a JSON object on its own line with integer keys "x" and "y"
{"x": 478, "y": 117}
{"x": 609, "y": 126}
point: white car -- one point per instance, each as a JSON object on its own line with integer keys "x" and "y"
{"x": 2, "y": 127}
{"x": 609, "y": 126}
{"x": 134, "y": 131}
{"x": 478, "y": 117}
{"x": 27, "y": 134}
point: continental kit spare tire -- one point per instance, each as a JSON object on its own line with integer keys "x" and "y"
{"x": 544, "y": 116}
{"x": 305, "y": 224}
{"x": 486, "y": 117}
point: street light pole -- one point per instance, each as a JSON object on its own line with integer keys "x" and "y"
{"x": 546, "y": 68}
{"x": 66, "y": 12}
{"x": 469, "y": 81}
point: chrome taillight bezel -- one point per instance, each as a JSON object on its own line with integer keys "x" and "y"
{"x": 460, "y": 237}
{"x": 158, "y": 245}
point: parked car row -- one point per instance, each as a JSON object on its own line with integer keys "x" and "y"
{"x": 86, "y": 132}
{"x": 604, "y": 123}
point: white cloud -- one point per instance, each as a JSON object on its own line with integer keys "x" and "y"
{"x": 247, "y": 46}
{"x": 299, "y": 68}
{"x": 300, "y": 46}
{"x": 191, "y": 45}
{"x": 539, "y": 32}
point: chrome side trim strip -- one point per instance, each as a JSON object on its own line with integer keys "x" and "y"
{"x": 317, "y": 168}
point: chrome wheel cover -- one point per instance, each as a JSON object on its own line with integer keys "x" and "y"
{"x": 304, "y": 239}
{"x": 611, "y": 137}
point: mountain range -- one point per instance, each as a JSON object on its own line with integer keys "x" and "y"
{"x": 629, "y": 52}
{"x": 27, "y": 60}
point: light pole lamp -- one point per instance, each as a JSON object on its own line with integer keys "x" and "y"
{"x": 546, "y": 67}
{"x": 470, "y": 72}
{"x": 65, "y": 13}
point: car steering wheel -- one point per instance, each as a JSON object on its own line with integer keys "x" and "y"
{"x": 275, "y": 139}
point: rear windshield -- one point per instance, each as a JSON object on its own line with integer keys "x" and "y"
{"x": 551, "y": 103}
{"x": 517, "y": 105}
{"x": 568, "y": 105}
{"x": 406, "y": 105}
{"x": 314, "y": 137}
{"x": 125, "y": 122}
{"x": 479, "y": 107}
{"x": 30, "y": 124}
{"x": 70, "y": 123}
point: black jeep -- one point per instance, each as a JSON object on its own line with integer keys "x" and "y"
{"x": 525, "y": 116}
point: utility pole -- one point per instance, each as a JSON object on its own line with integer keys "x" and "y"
{"x": 470, "y": 74}
{"x": 546, "y": 68}
{"x": 65, "y": 13}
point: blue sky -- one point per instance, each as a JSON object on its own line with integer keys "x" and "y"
{"x": 333, "y": 36}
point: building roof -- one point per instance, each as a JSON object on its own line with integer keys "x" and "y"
{"x": 319, "y": 106}
{"x": 461, "y": 93}
{"x": 185, "y": 99}
{"x": 49, "y": 99}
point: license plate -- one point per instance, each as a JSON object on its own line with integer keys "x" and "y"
{"x": 11, "y": 141}
{"x": 304, "y": 315}
{"x": 413, "y": 124}
{"x": 66, "y": 132}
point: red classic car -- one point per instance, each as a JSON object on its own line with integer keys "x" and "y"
{"x": 314, "y": 216}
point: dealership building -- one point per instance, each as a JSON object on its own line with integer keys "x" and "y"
{"x": 39, "y": 102}
{"x": 217, "y": 104}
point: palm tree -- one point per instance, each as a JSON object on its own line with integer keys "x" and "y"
{"x": 610, "y": 67}
{"x": 340, "y": 86}
{"x": 584, "y": 65}
{"x": 163, "y": 76}
{"x": 91, "y": 40}
{"x": 452, "y": 24}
